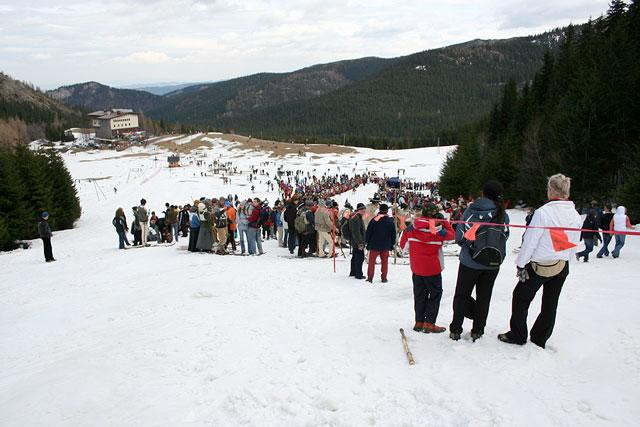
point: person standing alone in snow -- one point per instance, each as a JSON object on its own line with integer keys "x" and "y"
{"x": 427, "y": 262}
{"x": 45, "y": 234}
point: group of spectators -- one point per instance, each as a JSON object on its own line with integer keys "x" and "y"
{"x": 311, "y": 221}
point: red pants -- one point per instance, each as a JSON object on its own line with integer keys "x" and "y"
{"x": 384, "y": 258}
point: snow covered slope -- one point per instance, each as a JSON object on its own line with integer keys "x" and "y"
{"x": 161, "y": 336}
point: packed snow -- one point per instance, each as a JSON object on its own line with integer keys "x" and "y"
{"x": 162, "y": 336}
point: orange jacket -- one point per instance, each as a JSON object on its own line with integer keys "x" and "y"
{"x": 231, "y": 218}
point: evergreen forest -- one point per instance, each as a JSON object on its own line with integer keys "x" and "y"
{"x": 579, "y": 116}
{"x": 30, "y": 183}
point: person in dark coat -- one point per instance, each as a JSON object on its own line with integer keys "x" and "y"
{"x": 380, "y": 239}
{"x": 306, "y": 237}
{"x": 471, "y": 273}
{"x": 356, "y": 241}
{"x": 45, "y": 234}
{"x": 605, "y": 224}
{"x": 120, "y": 223}
{"x": 290, "y": 219}
{"x": 589, "y": 237}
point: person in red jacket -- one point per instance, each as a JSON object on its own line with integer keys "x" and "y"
{"x": 425, "y": 240}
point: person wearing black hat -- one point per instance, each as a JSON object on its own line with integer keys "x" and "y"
{"x": 380, "y": 239}
{"x": 479, "y": 263}
{"x": 356, "y": 241}
{"x": 45, "y": 234}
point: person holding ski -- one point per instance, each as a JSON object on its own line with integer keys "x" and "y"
{"x": 543, "y": 262}
{"x": 45, "y": 234}
{"x": 380, "y": 238}
{"x": 424, "y": 241}
{"x": 480, "y": 259}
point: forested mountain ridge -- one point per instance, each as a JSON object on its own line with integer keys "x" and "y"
{"x": 413, "y": 98}
{"x": 27, "y": 114}
{"x": 580, "y": 116}
{"x": 95, "y": 96}
{"x": 204, "y": 103}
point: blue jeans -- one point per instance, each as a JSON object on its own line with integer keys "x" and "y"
{"x": 253, "y": 239}
{"x": 122, "y": 237}
{"x": 174, "y": 230}
{"x": 605, "y": 243}
{"x": 588, "y": 243}
{"x": 244, "y": 234}
{"x": 620, "y": 238}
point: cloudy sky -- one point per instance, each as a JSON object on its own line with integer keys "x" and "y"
{"x": 52, "y": 42}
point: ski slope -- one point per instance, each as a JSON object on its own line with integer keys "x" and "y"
{"x": 162, "y": 336}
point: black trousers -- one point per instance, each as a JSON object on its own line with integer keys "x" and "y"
{"x": 523, "y": 294}
{"x": 482, "y": 281}
{"x": 48, "y": 252}
{"x": 292, "y": 239}
{"x": 193, "y": 238}
{"x": 304, "y": 241}
{"x": 313, "y": 242}
{"x": 427, "y": 292}
{"x": 357, "y": 258}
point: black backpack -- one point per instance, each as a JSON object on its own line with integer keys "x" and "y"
{"x": 490, "y": 246}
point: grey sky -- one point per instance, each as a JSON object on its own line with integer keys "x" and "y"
{"x": 50, "y": 42}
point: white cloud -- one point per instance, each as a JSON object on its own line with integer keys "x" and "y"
{"x": 147, "y": 57}
{"x": 205, "y": 40}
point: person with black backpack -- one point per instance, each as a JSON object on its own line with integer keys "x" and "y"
{"x": 480, "y": 259}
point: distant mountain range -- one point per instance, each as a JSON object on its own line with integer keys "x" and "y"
{"x": 162, "y": 88}
{"x": 414, "y": 97}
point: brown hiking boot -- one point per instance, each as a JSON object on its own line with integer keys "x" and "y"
{"x": 419, "y": 327}
{"x": 431, "y": 328}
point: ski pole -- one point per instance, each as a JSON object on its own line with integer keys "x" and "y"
{"x": 405, "y": 344}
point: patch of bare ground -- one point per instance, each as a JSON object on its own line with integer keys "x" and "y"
{"x": 118, "y": 157}
{"x": 185, "y": 148}
{"x": 280, "y": 149}
{"x": 371, "y": 159}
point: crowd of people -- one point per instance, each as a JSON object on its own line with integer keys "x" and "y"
{"x": 399, "y": 219}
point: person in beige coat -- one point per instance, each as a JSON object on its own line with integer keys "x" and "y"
{"x": 324, "y": 229}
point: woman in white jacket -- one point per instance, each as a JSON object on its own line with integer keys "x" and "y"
{"x": 620, "y": 222}
{"x": 543, "y": 263}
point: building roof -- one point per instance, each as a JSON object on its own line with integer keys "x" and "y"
{"x": 111, "y": 113}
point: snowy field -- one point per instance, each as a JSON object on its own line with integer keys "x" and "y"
{"x": 161, "y": 336}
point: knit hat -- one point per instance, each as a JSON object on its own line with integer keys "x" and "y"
{"x": 384, "y": 208}
{"x": 493, "y": 190}
{"x": 45, "y": 215}
{"x": 227, "y": 203}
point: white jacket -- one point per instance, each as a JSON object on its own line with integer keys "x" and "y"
{"x": 621, "y": 220}
{"x": 537, "y": 245}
